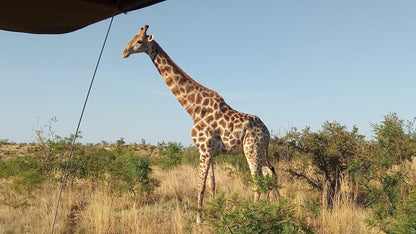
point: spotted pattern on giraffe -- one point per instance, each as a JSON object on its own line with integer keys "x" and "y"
{"x": 217, "y": 127}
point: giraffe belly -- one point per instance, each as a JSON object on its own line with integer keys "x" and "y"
{"x": 233, "y": 145}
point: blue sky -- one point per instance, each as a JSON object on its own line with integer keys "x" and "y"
{"x": 292, "y": 63}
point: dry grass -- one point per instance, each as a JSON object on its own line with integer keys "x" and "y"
{"x": 34, "y": 217}
{"x": 345, "y": 216}
{"x": 88, "y": 207}
{"x": 8, "y": 150}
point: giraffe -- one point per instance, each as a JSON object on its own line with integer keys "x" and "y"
{"x": 217, "y": 127}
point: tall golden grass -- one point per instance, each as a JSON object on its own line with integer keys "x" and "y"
{"x": 345, "y": 216}
{"x": 91, "y": 207}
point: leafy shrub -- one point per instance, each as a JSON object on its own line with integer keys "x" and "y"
{"x": 396, "y": 140}
{"x": 239, "y": 167}
{"x": 406, "y": 216}
{"x": 330, "y": 151}
{"x": 395, "y": 209}
{"x": 266, "y": 183}
{"x": 25, "y": 171}
{"x": 172, "y": 156}
{"x": 50, "y": 147}
{"x": 238, "y": 161}
{"x": 382, "y": 177}
{"x": 89, "y": 162}
{"x": 130, "y": 172}
{"x": 191, "y": 155}
{"x": 121, "y": 167}
{"x": 384, "y": 199}
{"x": 238, "y": 216}
{"x": 137, "y": 177}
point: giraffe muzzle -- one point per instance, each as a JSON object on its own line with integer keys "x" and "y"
{"x": 126, "y": 53}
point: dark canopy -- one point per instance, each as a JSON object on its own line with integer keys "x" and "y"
{"x": 61, "y": 16}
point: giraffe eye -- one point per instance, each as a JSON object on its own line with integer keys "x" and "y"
{"x": 140, "y": 41}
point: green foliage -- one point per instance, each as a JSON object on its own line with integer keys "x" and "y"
{"x": 406, "y": 216}
{"x": 395, "y": 209}
{"x": 264, "y": 184}
{"x": 130, "y": 172}
{"x": 375, "y": 166}
{"x": 51, "y": 148}
{"x": 379, "y": 170}
{"x": 120, "y": 142}
{"x": 121, "y": 167}
{"x": 383, "y": 180}
{"x": 125, "y": 170}
{"x": 330, "y": 151}
{"x": 378, "y": 167}
{"x": 89, "y": 162}
{"x": 239, "y": 216}
{"x": 396, "y": 140}
{"x": 191, "y": 155}
{"x": 238, "y": 161}
{"x": 239, "y": 167}
{"x": 26, "y": 173}
{"x": 384, "y": 199}
{"x": 137, "y": 177}
{"x": 313, "y": 206}
{"x": 172, "y": 156}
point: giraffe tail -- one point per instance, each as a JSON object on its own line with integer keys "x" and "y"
{"x": 269, "y": 165}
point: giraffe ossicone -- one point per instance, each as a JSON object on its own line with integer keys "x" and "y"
{"x": 217, "y": 127}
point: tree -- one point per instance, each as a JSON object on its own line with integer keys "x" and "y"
{"x": 330, "y": 151}
{"x": 396, "y": 140}
{"x": 172, "y": 156}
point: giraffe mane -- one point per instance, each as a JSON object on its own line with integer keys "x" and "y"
{"x": 184, "y": 73}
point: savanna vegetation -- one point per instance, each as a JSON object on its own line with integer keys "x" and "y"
{"x": 333, "y": 180}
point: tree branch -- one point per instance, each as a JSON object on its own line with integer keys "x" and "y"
{"x": 308, "y": 180}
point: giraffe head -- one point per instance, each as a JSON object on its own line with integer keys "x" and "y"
{"x": 139, "y": 43}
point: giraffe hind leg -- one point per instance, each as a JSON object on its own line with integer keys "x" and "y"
{"x": 211, "y": 178}
{"x": 272, "y": 192}
{"x": 254, "y": 162}
{"x": 255, "y": 150}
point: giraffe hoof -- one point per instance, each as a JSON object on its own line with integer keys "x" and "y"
{"x": 199, "y": 219}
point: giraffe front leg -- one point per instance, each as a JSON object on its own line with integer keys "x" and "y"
{"x": 204, "y": 163}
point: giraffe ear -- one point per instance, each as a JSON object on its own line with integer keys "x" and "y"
{"x": 150, "y": 38}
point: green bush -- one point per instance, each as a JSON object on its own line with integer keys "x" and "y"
{"x": 396, "y": 140}
{"x": 394, "y": 206}
{"x": 239, "y": 216}
{"x": 330, "y": 151}
{"x": 130, "y": 172}
{"x": 172, "y": 156}
{"x": 191, "y": 155}
{"x": 266, "y": 183}
{"x": 384, "y": 185}
{"x": 89, "y": 162}
{"x": 121, "y": 167}
{"x": 51, "y": 148}
{"x": 26, "y": 173}
{"x": 385, "y": 199}
{"x": 137, "y": 177}
{"x": 406, "y": 216}
{"x": 238, "y": 161}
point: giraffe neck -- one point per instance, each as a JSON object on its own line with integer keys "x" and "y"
{"x": 191, "y": 95}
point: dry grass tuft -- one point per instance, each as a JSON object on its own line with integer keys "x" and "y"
{"x": 345, "y": 216}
